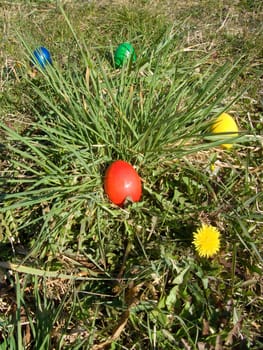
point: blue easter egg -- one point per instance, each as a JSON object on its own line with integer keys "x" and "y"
{"x": 42, "y": 57}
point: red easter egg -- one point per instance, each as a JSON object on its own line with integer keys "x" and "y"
{"x": 122, "y": 182}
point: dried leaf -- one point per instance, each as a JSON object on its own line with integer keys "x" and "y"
{"x": 185, "y": 344}
{"x": 87, "y": 76}
{"x": 206, "y": 328}
{"x": 218, "y": 343}
{"x": 234, "y": 332}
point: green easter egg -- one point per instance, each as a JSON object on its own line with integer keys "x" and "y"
{"x": 123, "y": 53}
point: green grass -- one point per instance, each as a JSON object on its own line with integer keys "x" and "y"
{"x": 78, "y": 272}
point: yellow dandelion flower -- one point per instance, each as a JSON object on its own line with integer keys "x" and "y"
{"x": 212, "y": 167}
{"x": 207, "y": 240}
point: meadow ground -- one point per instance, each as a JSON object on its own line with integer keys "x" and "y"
{"x": 77, "y": 271}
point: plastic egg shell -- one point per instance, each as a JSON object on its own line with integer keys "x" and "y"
{"x": 224, "y": 123}
{"x": 42, "y": 57}
{"x": 122, "y": 182}
{"x": 124, "y": 52}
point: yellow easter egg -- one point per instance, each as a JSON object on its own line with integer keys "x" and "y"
{"x": 225, "y": 124}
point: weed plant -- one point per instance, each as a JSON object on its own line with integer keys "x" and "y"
{"x": 90, "y": 275}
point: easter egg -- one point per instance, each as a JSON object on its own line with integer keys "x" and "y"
{"x": 122, "y": 182}
{"x": 124, "y": 53}
{"x": 41, "y": 57}
{"x": 225, "y": 124}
